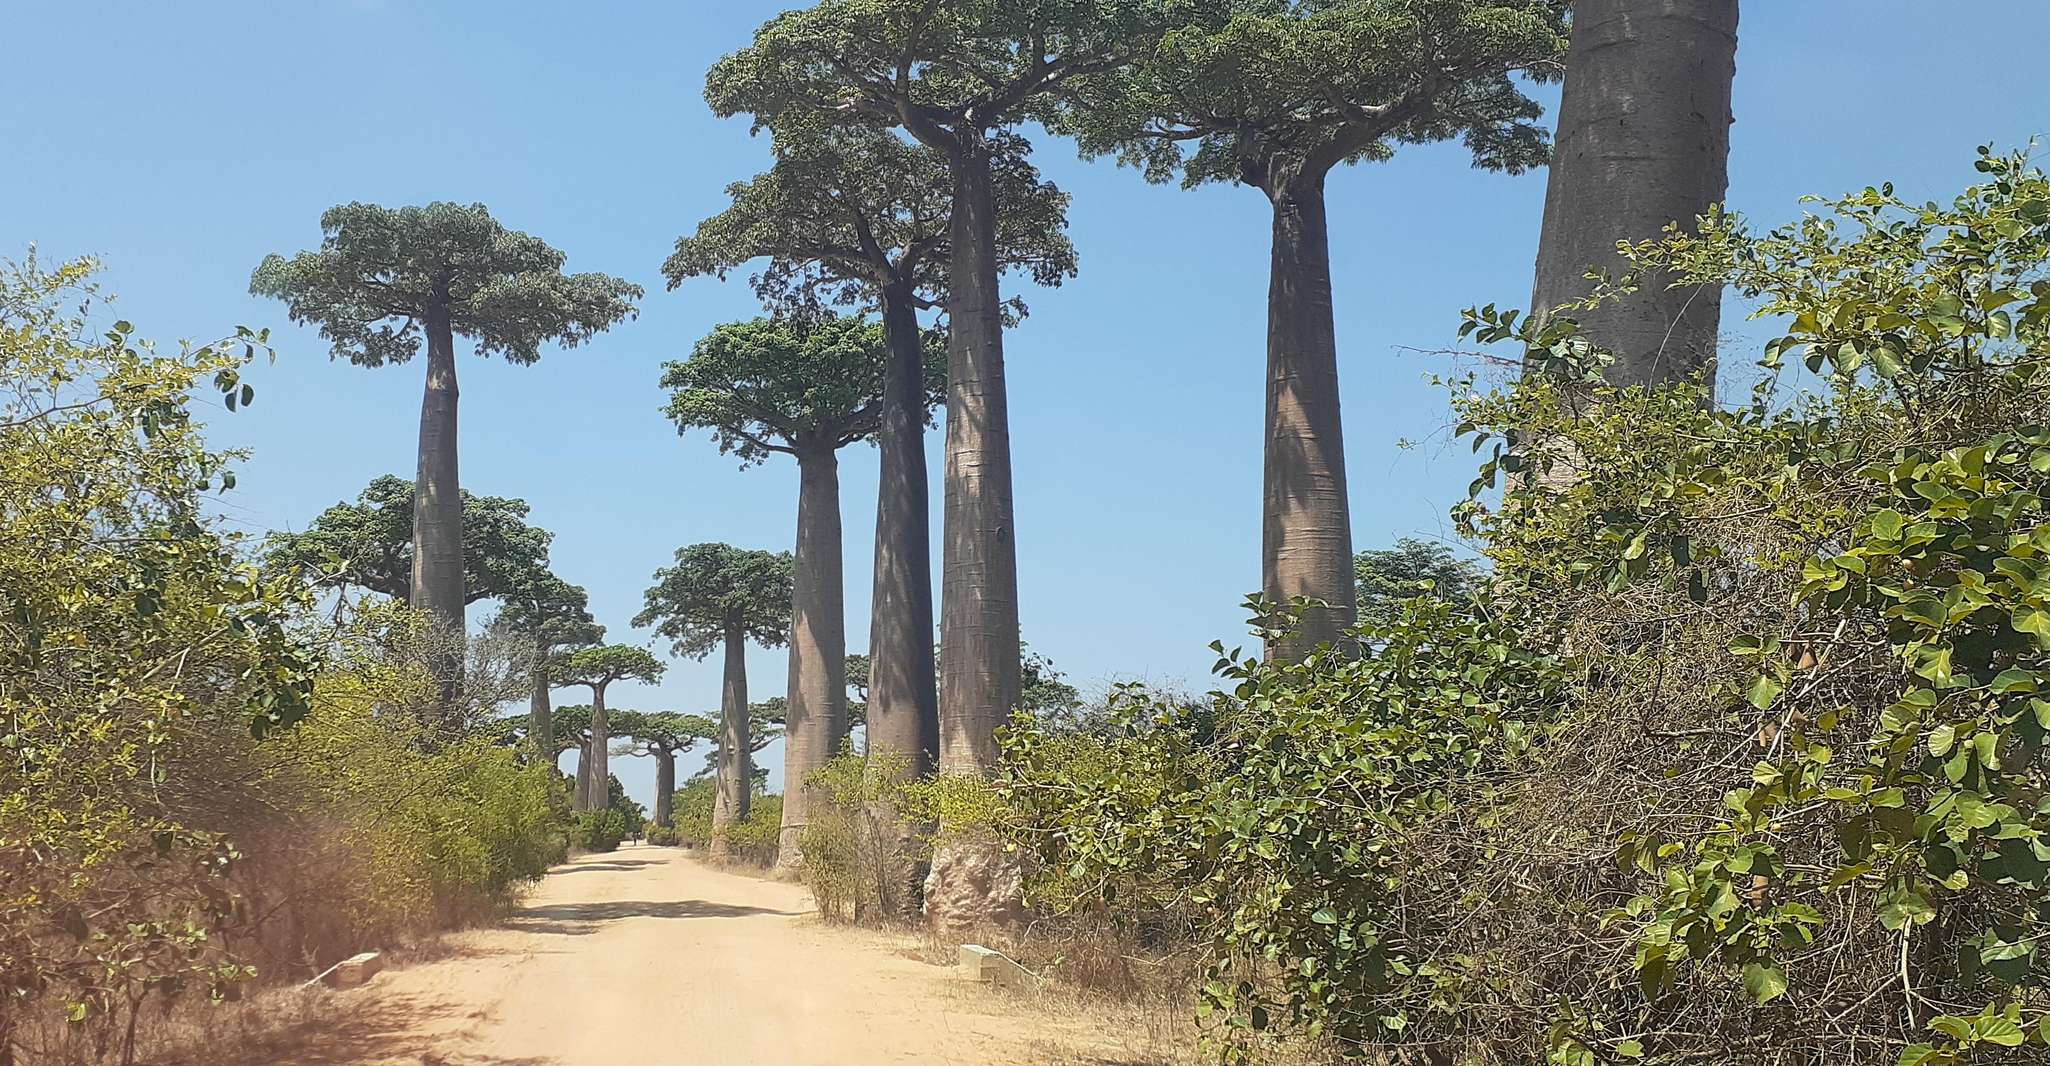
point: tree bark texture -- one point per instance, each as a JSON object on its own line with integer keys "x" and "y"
{"x": 540, "y": 713}
{"x": 979, "y": 649}
{"x": 818, "y": 644}
{"x": 582, "y": 800}
{"x": 903, "y": 694}
{"x": 1643, "y": 141}
{"x": 438, "y": 503}
{"x": 601, "y": 754}
{"x": 665, "y": 788}
{"x": 1306, "y": 520}
{"x": 734, "y": 783}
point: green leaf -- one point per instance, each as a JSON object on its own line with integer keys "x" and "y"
{"x": 1764, "y": 690}
{"x": 1324, "y": 916}
{"x": 1764, "y": 982}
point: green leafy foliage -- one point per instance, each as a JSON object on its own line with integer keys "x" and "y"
{"x": 1386, "y": 576}
{"x": 1271, "y": 92}
{"x": 1273, "y": 820}
{"x": 715, "y": 590}
{"x": 847, "y": 213}
{"x": 382, "y": 273}
{"x": 799, "y": 386}
{"x": 369, "y": 544}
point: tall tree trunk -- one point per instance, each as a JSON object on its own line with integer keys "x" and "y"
{"x": 979, "y": 649}
{"x": 665, "y": 788}
{"x": 818, "y": 644}
{"x": 540, "y": 715}
{"x": 1644, "y": 141}
{"x": 903, "y": 693}
{"x": 582, "y": 801}
{"x": 601, "y": 754}
{"x": 1306, "y": 521}
{"x": 734, "y": 781}
{"x": 438, "y": 505}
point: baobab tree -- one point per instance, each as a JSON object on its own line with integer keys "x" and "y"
{"x": 1275, "y": 96}
{"x": 385, "y": 277}
{"x": 859, "y": 217}
{"x": 599, "y": 668}
{"x": 957, "y": 76}
{"x": 551, "y": 615}
{"x": 721, "y": 596}
{"x": 368, "y": 544}
{"x": 803, "y": 386}
{"x": 662, "y": 735}
{"x": 1643, "y": 143}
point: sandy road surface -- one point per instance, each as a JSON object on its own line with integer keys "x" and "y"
{"x": 644, "y": 957}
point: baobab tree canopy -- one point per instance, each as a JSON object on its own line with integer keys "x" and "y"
{"x": 716, "y": 586}
{"x": 846, "y": 211}
{"x": 381, "y": 273}
{"x": 1269, "y": 90}
{"x": 548, "y": 610}
{"x": 599, "y": 667}
{"x": 787, "y": 385}
{"x": 369, "y": 544}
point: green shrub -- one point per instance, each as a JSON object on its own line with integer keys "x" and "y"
{"x": 600, "y": 830}
{"x": 663, "y": 836}
{"x": 859, "y": 856}
{"x": 754, "y": 841}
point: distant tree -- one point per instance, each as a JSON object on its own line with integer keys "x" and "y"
{"x": 385, "y": 277}
{"x": 1384, "y": 575}
{"x": 957, "y": 76}
{"x": 859, "y": 217}
{"x": 598, "y": 668}
{"x": 663, "y": 735}
{"x": 804, "y": 387}
{"x": 551, "y": 614}
{"x": 1644, "y": 143}
{"x": 368, "y": 544}
{"x": 1274, "y": 95}
{"x": 718, "y": 595}
{"x": 570, "y": 730}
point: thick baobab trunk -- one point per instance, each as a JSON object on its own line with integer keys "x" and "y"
{"x": 540, "y": 714}
{"x": 979, "y": 649}
{"x": 582, "y": 801}
{"x": 601, "y": 754}
{"x": 1644, "y": 141}
{"x": 973, "y": 881}
{"x": 438, "y": 505}
{"x": 817, "y": 695}
{"x": 903, "y": 694}
{"x": 1306, "y": 519}
{"x": 734, "y": 781}
{"x": 665, "y": 788}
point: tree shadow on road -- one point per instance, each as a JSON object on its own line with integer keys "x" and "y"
{"x": 581, "y": 919}
{"x": 607, "y": 864}
{"x": 341, "y": 1030}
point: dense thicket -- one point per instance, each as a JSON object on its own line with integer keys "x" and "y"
{"x": 1738, "y": 756}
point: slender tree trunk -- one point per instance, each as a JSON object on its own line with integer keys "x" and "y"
{"x": 665, "y": 788}
{"x": 979, "y": 650}
{"x": 438, "y": 504}
{"x": 601, "y": 754}
{"x": 1306, "y": 522}
{"x": 540, "y": 715}
{"x": 818, "y": 644}
{"x": 1644, "y": 141}
{"x": 734, "y": 782}
{"x": 583, "y": 796}
{"x": 903, "y": 693}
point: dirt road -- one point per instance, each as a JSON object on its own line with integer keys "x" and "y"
{"x": 645, "y": 958}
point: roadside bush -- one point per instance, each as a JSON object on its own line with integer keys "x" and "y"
{"x": 860, "y": 857}
{"x": 1738, "y": 757}
{"x": 754, "y": 841}
{"x": 663, "y": 837}
{"x": 600, "y": 830}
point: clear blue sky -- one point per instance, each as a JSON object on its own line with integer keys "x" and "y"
{"x": 181, "y": 142}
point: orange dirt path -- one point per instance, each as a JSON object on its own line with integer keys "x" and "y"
{"x": 645, "y": 957}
